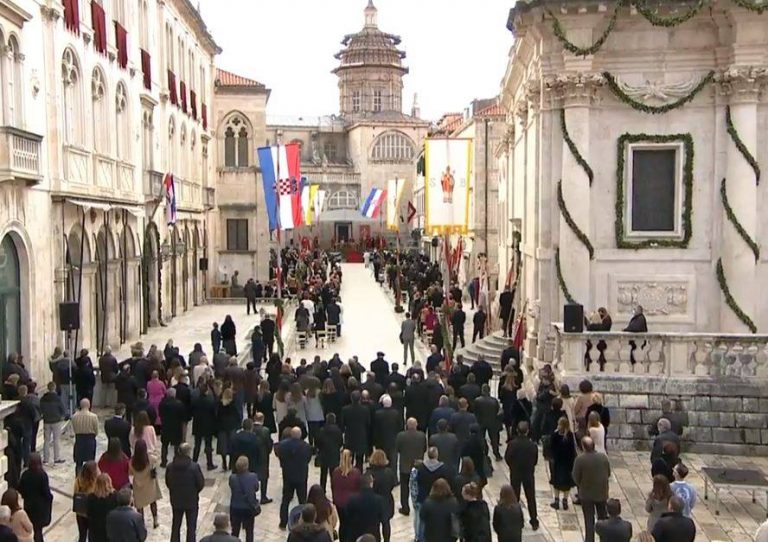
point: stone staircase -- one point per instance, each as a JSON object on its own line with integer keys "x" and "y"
{"x": 490, "y": 347}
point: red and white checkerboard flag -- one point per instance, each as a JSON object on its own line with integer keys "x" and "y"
{"x": 286, "y": 160}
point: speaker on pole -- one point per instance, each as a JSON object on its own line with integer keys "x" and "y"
{"x": 573, "y": 318}
{"x": 69, "y": 315}
{"x": 203, "y": 264}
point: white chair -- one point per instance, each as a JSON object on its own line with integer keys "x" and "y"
{"x": 330, "y": 330}
{"x": 321, "y": 336}
{"x": 301, "y": 338}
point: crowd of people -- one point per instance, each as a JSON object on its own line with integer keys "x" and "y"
{"x": 420, "y": 441}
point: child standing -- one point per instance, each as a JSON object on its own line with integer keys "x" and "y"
{"x": 216, "y": 338}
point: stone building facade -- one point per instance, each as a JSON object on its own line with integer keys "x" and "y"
{"x": 369, "y": 142}
{"x": 632, "y": 167}
{"x": 100, "y": 100}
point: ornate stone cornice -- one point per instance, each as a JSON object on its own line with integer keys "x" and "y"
{"x": 50, "y": 14}
{"x": 574, "y": 89}
{"x": 742, "y": 84}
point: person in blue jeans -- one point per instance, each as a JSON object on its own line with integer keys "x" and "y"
{"x": 243, "y": 485}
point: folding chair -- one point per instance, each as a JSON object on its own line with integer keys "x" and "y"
{"x": 330, "y": 330}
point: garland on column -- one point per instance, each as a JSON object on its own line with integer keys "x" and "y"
{"x": 736, "y": 224}
{"x": 559, "y": 32}
{"x": 574, "y": 150}
{"x": 740, "y": 144}
{"x": 668, "y": 22}
{"x": 757, "y": 7}
{"x": 655, "y": 109}
{"x": 687, "y": 185}
{"x": 560, "y": 279}
{"x": 571, "y": 223}
{"x": 730, "y": 301}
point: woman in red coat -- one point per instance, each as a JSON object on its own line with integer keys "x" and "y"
{"x": 114, "y": 463}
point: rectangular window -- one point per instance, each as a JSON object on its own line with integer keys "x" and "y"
{"x": 329, "y": 149}
{"x": 377, "y": 100}
{"x": 356, "y": 101}
{"x": 237, "y": 234}
{"x": 654, "y": 181}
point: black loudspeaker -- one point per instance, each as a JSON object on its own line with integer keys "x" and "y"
{"x": 573, "y": 318}
{"x": 203, "y": 264}
{"x": 69, "y": 315}
{"x": 435, "y": 242}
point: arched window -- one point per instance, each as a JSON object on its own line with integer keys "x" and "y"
{"x": 144, "y": 25}
{"x": 73, "y": 99}
{"x": 14, "y": 82}
{"x": 100, "y": 117}
{"x": 171, "y": 145}
{"x": 343, "y": 199}
{"x": 122, "y": 126}
{"x": 393, "y": 147}
{"x": 193, "y": 156}
{"x": 236, "y": 142}
{"x": 183, "y": 166}
{"x": 10, "y": 298}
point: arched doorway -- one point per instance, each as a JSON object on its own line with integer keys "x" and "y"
{"x": 150, "y": 277}
{"x": 10, "y": 298}
{"x": 174, "y": 268}
{"x": 185, "y": 270}
{"x": 195, "y": 264}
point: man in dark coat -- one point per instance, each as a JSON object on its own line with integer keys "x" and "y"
{"x": 294, "y": 455}
{"x": 447, "y": 445}
{"x": 470, "y": 391}
{"x": 356, "y": 424}
{"x": 459, "y": 373}
{"x": 482, "y": 370}
{"x": 591, "y": 474}
{"x": 126, "y": 390}
{"x": 365, "y": 511}
{"x": 410, "y": 446}
{"x": 417, "y": 402}
{"x": 249, "y": 290}
{"x": 387, "y": 423}
{"x": 108, "y": 371}
{"x": 637, "y": 324}
{"x": 185, "y": 482}
{"x": 442, "y": 412}
{"x": 268, "y": 332}
{"x": 265, "y": 449}
{"x": 396, "y": 378}
{"x": 117, "y": 427}
{"x": 506, "y": 312}
{"x": 614, "y": 529}
{"x": 142, "y": 405}
{"x": 258, "y": 348}
{"x": 673, "y": 526}
{"x": 487, "y": 413}
{"x": 372, "y": 386}
{"x": 461, "y": 421}
{"x": 431, "y": 470}
{"x": 204, "y": 423}
{"x": 434, "y": 359}
{"x": 380, "y": 367}
{"x": 292, "y": 419}
{"x": 333, "y": 311}
{"x": 173, "y": 413}
{"x": 664, "y": 427}
{"x": 458, "y": 319}
{"x": 184, "y": 394}
{"x": 329, "y": 442}
{"x": 521, "y": 456}
{"x": 246, "y": 443}
{"x": 124, "y": 523}
{"x": 508, "y": 354}
{"x": 478, "y": 324}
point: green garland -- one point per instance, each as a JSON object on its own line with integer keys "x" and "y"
{"x": 668, "y": 22}
{"x": 730, "y": 301}
{"x": 655, "y": 109}
{"x": 575, "y": 151}
{"x": 687, "y": 140}
{"x": 740, "y": 144}
{"x": 757, "y": 7}
{"x": 560, "y": 279}
{"x": 736, "y": 224}
{"x": 559, "y": 32}
{"x": 571, "y": 223}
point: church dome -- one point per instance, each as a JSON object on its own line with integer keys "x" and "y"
{"x": 370, "y": 47}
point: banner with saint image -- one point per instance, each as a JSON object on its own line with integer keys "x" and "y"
{"x": 446, "y": 190}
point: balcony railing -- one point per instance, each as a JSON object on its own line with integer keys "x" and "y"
{"x": 662, "y": 354}
{"x": 153, "y": 185}
{"x": 210, "y": 197}
{"x": 20, "y": 155}
{"x": 77, "y": 165}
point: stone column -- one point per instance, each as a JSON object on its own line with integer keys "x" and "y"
{"x": 739, "y": 266}
{"x": 578, "y": 92}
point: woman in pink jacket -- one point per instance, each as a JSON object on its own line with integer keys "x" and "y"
{"x": 155, "y": 393}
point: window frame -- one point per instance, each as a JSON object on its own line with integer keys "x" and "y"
{"x": 356, "y": 101}
{"x": 393, "y": 146}
{"x": 233, "y": 245}
{"x": 378, "y": 101}
{"x": 681, "y": 235}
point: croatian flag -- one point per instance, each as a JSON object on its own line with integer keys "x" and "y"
{"x": 170, "y": 199}
{"x": 372, "y": 205}
{"x": 280, "y": 170}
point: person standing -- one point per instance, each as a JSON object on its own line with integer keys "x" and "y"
{"x": 85, "y": 424}
{"x": 508, "y": 520}
{"x": 365, "y": 512}
{"x": 245, "y": 443}
{"x": 228, "y": 335}
{"x": 356, "y": 424}
{"x": 108, "y": 370}
{"x": 478, "y": 324}
{"x": 36, "y": 492}
{"x": 506, "y": 313}
{"x": 683, "y": 489}
{"x": 563, "y": 453}
{"x": 173, "y": 413}
{"x": 458, "y": 319}
{"x": 330, "y": 441}
{"x": 308, "y": 530}
{"x": 227, "y": 422}
{"x": 268, "y": 332}
{"x": 437, "y": 513}
{"x": 474, "y": 515}
{"x": 521, "y": 456}
{"x": 408, "y": 338}
{"x": 244, "y": 501}
{"x": 204, "y": 422}
{"x": 117, "y": 427}
{"x": 215, "y": 338}
{"x": 53, "y": 413}
{"x": 123, "y": 523}
{"x": 294, "y": 455}
{"x": 264, "y": 438}
{"x": 115, "y": 463}
{"x": 657, "y": 501}
{"x": 146, "y": 487}
{"x": 384, "y": 481}
{"x": 387, "y": 424}
{"x": 487, "y": 411}
{"x": 85, "y": 484}
{"x": 591, "y": 473}
{"x": 100, "y": 503}
{"x": 250, "y": 296}
{"x": 447, "y": 444}
{"x": 84, "y": 376}
{"x": 220, "y": 530}
{"x": 461, "y": 421}
{"x": 673, "y": 526}
{"x": 19, "y": 522}
{"x": 614, "y": 529}
{"x": 410, "y": 445}
{"x": 333, "y": 310}
{"x": 185, "y": 481}
{"x": 345, "y": 482}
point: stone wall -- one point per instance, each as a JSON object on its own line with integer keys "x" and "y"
{"x": 725, "y": 416}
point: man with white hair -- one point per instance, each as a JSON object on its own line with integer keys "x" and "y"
{"x": 387, "y": 423}
{"x": 85, "y": 425}
{"x": 665, "y": 435}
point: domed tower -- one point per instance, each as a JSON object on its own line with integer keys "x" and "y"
{"x": 370, "y": 71}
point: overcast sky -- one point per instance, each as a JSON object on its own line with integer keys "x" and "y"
{"x": 456, "y": 49}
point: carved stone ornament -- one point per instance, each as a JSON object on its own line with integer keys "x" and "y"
{"x": 580, "y": 87}
{"x": 657, "y": 91}
{"x": 656, "y": 298}
{"x": 49, "y": 13}
{"x": 742, "y": 83}
{"x": 521, "y": 111}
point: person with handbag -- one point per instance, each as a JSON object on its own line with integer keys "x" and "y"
{"x": 439, "y": 514}
{"x": 474, "y": 515}
{"x": 36, "y": 492}
{"x": 85, "y": 484}
{"x": 244, "y": 502}
{"x": 146, "y": 488}
{"x": 100, "y": 503}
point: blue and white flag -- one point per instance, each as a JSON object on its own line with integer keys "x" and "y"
{"x": 372, "y": 205}
{"x": 268, "y": 177}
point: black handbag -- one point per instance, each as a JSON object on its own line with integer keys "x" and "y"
{"x": 80, "y": 504}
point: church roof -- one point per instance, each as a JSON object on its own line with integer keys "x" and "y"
{"x": 229, "y": 79}
{"x": 370, "y": 47}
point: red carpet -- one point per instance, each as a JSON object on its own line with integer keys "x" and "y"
{"x": 354, "y": 256}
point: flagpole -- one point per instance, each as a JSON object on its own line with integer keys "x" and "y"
{"x": 398, "y": 293}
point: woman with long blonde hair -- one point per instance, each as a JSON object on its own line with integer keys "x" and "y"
{"x": 345, "y": 482}
{"x": 100, "y": 503}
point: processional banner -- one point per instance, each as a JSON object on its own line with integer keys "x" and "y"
{"x": 447, "y": 184}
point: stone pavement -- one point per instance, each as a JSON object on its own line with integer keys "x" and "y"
{"x": 370, "y": 325}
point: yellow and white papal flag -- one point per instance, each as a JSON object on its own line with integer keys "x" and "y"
{"x": 395, "y": 189}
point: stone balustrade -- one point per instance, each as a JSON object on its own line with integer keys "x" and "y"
{"x": 662, "y": 354}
